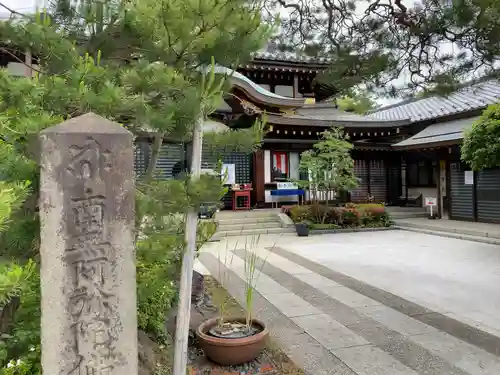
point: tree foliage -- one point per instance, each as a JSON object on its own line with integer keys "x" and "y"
{"x": 145, "y": 64}
{"x": 357, "y": 103}
{"x": 481, "y": 144}
{"x": 372, "y": 43}
{"x": 329, "y": 166}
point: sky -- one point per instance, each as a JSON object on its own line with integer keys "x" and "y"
{"x": 22, "y": 5}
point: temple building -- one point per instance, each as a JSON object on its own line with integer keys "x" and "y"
{"x": 403, "y": 153}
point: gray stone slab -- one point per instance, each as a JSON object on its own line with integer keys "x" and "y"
{"x": 395, "y": 320}
{"x": 349, "y": 297}
{"x": 369, "y": 360}
{"x": 405, "y": 350}
{"x": 465, "y": 332}
{"x": 88, "y": 282}
{"x": 465, "y": 356}
{"x": 393, "y": 343}
{"x": 317, "y": 281}
{"x": 266, "y": 287}
{"x": 328, "y": 332}
{"x": 472, "y": 335}
{"x": 305, "y": 351}
{"x": 291, "y": 305}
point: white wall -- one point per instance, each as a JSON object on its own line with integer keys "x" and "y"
{"x": 267, "y": 166}
{"x": 267, "y": 87}
{"x": 19, "y": 70}
{"x": 294, "y": 165}
{"x": 284, "y": 90}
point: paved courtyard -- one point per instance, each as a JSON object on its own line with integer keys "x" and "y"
{"x": 391, "y": 302}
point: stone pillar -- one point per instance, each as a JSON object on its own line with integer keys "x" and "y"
{"x": 89, "y": 322}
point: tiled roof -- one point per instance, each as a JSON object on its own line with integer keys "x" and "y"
{"x": 440, "y": 132}
{"x": 322, "y": 111}
{"x": 474, "y": 97}
{"x": 290, "y": 57}
{"x": 322, "y": 114}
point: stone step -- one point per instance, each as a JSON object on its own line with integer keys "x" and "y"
{"x": 407, "y": 215}
{"x": 450, "y": 234}
{"x": 258, "y": 214}
{"x": 232, "y": 226}
{"x": 250, "y": 220}
{"x": 249, "y": 232}
{"x": 435, "y": 225}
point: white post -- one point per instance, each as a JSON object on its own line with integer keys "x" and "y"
{"x": 183, "y": 313}
{"x": 431, "y": 210}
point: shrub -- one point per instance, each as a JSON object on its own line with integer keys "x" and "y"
{"x": 20, "y": 342}
{"x": 320, "y": 213}
{"x": 300, "y": 213}
{"x": 350, "y": 217}
{"x": 371, "y": 207}
{"x": 159, "y": 258}
{"x": 286, "y": 209}
{"x": 373, "y": 215}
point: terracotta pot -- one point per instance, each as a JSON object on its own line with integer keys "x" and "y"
{"x": 228, "y": 352}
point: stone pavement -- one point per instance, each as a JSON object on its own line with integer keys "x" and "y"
{"x": 392, "y": 302}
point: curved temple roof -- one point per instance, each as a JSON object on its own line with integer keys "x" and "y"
{"x": 257, "y": 92}
{"x": 320, "y": 114}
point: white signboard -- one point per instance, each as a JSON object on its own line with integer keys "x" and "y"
{"x": 469, "y": 178}
{"x": 286, "y": 185}
{"x": 228, "y": 174}
{"x": 430, "y": 201}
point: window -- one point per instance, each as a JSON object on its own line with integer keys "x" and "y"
{"x": 422, "y": 173}
{"x": 280, "y": 166}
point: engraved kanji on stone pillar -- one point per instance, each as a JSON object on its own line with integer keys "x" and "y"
{"x": 89, "y": 323}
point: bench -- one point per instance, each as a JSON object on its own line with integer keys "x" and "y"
{"x": 287, "y": 193}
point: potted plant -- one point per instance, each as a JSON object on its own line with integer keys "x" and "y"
{"x": 302, "y": 228}
{"x": 236, "y": 340}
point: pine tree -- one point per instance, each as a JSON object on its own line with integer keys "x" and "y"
{"x": 145, "y": 64}
{"x": 426, "y": 44}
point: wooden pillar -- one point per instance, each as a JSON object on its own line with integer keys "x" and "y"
{"x": 404, "y": 178}
{"x": 295, "y": 85}
{"x": 258, "y": 182}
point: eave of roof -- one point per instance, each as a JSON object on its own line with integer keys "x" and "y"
{"x": 290, "y": 57}
{"x": 443, "y": 133}
{"x": 327, "y": 115}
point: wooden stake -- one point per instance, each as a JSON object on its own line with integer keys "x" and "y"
{"x": 184, "y": 310}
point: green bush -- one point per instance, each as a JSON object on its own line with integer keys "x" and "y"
{"x": 20, "y": 343}
{"x": 159, "y": 259}
{"x": 323, "y": 214}
{"x": 300, "y": 213}
{"x": 350, "y": 217}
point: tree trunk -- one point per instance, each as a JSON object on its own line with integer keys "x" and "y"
{"x": 183, "y": 314}
{"x": 155, "y": 154}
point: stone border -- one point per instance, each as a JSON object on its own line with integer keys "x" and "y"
{"x": 348, "y": 230}
{"x": 286, "y": 221}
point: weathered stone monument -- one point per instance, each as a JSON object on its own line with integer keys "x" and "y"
{"x": 89, "y": 322}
